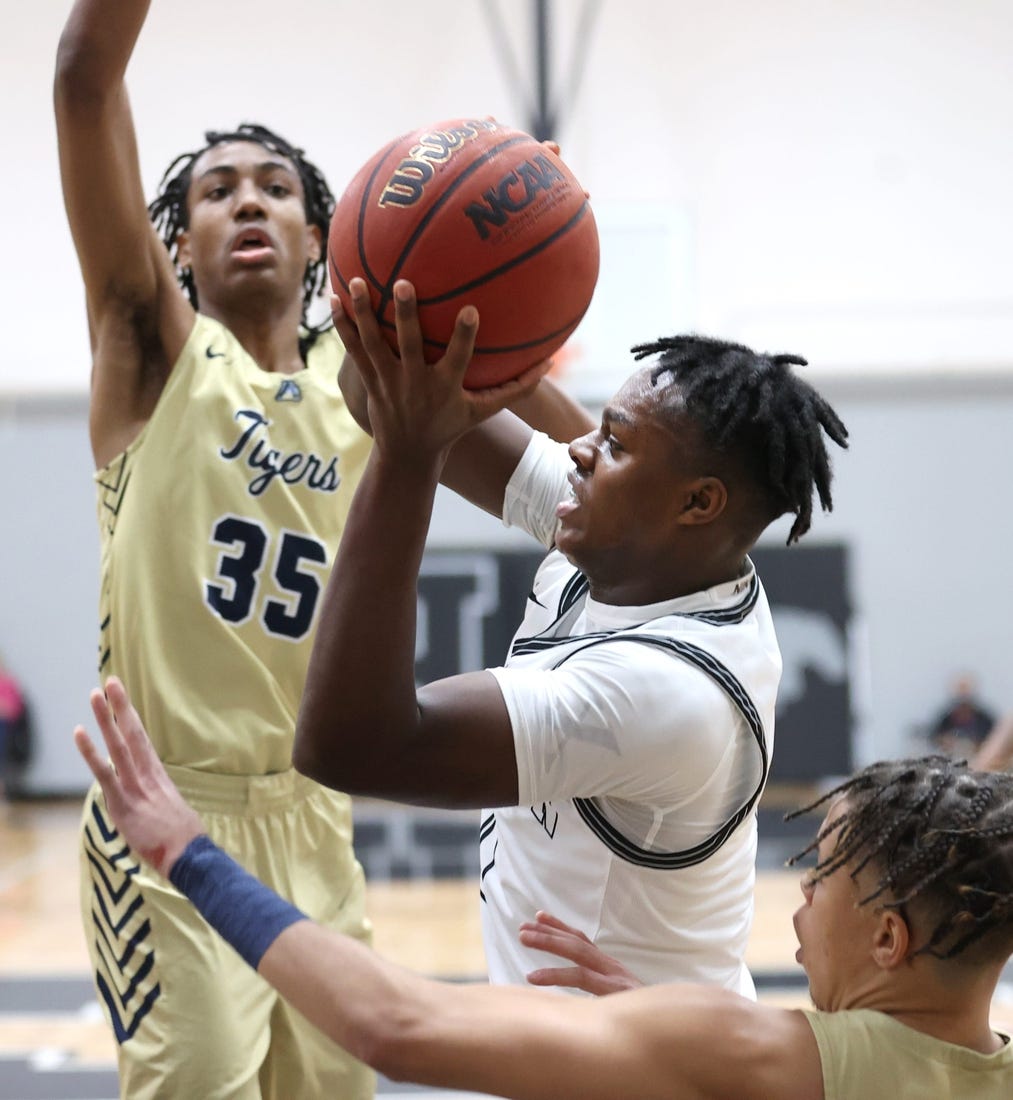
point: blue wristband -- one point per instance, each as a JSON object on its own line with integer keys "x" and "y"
{"x": 240, "y": 908}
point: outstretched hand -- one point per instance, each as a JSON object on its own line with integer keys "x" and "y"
{"x": 142, "y": 800}
{"x": 415, "y": 407}
{"x": 593, "y": 970}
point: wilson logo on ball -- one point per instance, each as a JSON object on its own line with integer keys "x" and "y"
{"x": 435, "y": 147}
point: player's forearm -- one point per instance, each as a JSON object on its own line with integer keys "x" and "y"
{"x": 359, "y": 702}
{"x": 96, "y": 44}
{"x": 352, "y": 995}
{"x": 405, "y": 1026}
{"x": 552, "y": 410}
{"x": 997, "y": 748}
{"x": 480, "y": 463}
{"x": 434, "y": 1033}
{"x": 369, "y": 1007}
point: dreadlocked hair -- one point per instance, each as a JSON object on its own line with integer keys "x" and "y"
{"x": 936, "y": 833}
{"x": 169, "y": 212}
{"x": 753, "y": 406}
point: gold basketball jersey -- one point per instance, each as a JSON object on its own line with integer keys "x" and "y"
{"x": 219, "y": 525}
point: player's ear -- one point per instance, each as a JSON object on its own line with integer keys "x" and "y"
{"x": 892, "y": 940}
{"x": 183, "y": 248}
{"x": 704, "y": 500}
{"x": 314, "y": 243}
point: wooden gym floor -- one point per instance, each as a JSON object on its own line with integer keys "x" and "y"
{"x": 54, "y": 1044}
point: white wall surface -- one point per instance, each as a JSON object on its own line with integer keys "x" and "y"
{"x": 840, "y": 169}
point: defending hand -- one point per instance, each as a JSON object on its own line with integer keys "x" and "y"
{"x": 593, "y": 970}
{"x": 141, "y": 798}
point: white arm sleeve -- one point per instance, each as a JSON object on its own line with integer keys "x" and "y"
{"x": 536, "y": 486}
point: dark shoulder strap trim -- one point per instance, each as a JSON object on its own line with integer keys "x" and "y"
{"x": 730, "y": 615}
{"x": 575, "y": 589}
{"x": 733, "y": 688}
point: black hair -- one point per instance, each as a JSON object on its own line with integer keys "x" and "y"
{"x": 170, "y": 214}
{"x": 935, "y": 833}
{"x": 754, "y": 407}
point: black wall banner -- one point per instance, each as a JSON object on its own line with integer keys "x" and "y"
{"x": 809, "y": 593}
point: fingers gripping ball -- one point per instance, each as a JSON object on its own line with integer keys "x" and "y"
{"x": 472, "y": 213}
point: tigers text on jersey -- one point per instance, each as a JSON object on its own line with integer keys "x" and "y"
{"x": 643, "y": 738}
{"x": 219, "y": 525}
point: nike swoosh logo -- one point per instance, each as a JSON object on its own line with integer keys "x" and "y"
{"x": 534, "y": 599}
{"x": 213, "y": 354}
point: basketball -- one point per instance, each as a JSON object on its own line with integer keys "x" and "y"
{"x": 471, "y": 213}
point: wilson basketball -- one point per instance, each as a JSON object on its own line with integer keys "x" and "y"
{"x": 472, "y": 213}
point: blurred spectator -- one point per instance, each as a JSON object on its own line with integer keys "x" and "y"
{"x": 13, "y": 726}
{"x": 963, "y": 725}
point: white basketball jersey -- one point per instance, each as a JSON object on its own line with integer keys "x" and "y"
{"x": 643, "y": 738}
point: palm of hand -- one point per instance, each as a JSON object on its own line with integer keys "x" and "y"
{"x": 148, "y": 810}
{"x": 417, "y": 408}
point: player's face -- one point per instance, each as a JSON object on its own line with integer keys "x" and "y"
{"x": 628, "y": 478}
{"x": 248, "y": 232}
{"x": 834, "y": 933}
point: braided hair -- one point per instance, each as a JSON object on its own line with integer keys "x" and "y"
{"x": 935, "y": 833}
{"x": 170, "y": 214}
{"x": 753, "y": 407}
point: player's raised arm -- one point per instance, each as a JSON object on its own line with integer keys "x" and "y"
{"x": 138, "y": 319}
{"x": 362, "y": 727}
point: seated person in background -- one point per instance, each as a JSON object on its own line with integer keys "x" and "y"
{"x": 905, "y": 926}
{"x": 963, "y": 724}
{"x": 13, "y": 725}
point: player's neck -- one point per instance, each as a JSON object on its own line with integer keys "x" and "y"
{"x": 969, "y": 1029}
{"x": 269, "y": 337}
{"x": 954, "y": 1010}
{"x": 623, "y": 578}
